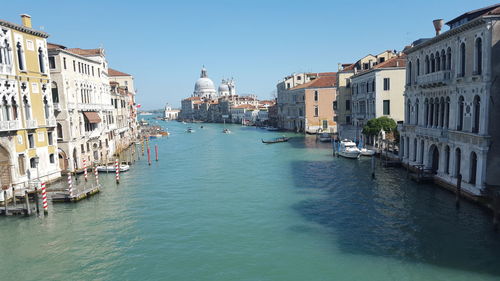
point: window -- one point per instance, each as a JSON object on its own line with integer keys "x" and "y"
{"x": 46, "y": 107}
{"x": 348, "y": 119}
{"x": 55, "y": 92}
{"x": 41, "y": 62}
{"x": 348, "y": 105}
{"x": 82, "y": 148}
{"x": 21, "y": 160}
{"x": 74, "y": 66}
{"x": 462, "y": 59}
{"x": 79, "y": 67}
{"x": 316, "y": 113}
{"x": 387, "y": 84}
{"x": 335, "y": 105}
{"x": 460, "y": 113}
{"x": 365, "y": 65}
{"x": 298, "y": 78}
{"x": 32, "y": 163}
{"x": 315, "y": 95}
{"x": 64, "y": 63}
{"x": 325, "y": 124}
{"x": 52, "y": 62}
{"x": 26, "y": 108}
{"x": 387, "y": 107}
{"x": 31, "y": 141}
{"x": 479, "y": 56}
{"x": 92, "y": 70}
{"x": 50, "y": 137}
{"x": 20, "y": 56}
{"x": 288, "y": 85}
{"x": 59, "y": 132}
{"x": 52, "y": 159}
{"x": 381, "y": 60}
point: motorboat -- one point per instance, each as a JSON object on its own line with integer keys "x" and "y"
{"x": 272, "y": 129}
{"x": 189, "y": 130}
{"x": 112, "y": 169}
{"x": 348, "y": 149}
{"x": 276, "y": 140}
{"x": 325, "y": 137}
{"x": 366, "y": 152}
{"x": 226, "y": 131}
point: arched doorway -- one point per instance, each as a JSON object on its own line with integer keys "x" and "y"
{"x": 63, "y": 160}
{"x": 5, "y": 169}
{"x": 434, "y": 158}
{"x": 75, "y": 160}
{"x": 473, "y": 168}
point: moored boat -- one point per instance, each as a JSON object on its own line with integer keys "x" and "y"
{"x": 325, "y": 137}
{"x": 366, "y": 152}
{"x": 112, "y": 169}
{"x": 272, "y": 129}
{"x": 348, "y": 149}
{"x": 226, "y": 131}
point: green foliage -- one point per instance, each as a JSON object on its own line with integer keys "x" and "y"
{"x": 373, "y": 126}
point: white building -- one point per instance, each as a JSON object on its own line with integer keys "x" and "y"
{"x": 169, "y": 113}
{"x": 378, "y": 91}
{"x": 452, "y": 102}
{"x": 82, "y": 104}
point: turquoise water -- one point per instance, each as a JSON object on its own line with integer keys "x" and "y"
{"x": 227, "y": 207}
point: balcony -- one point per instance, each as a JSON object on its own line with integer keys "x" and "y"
{"x": 10, "y": 125}
{"x": 434, "y": 79}
{"x": 50, "y": 122}
{"x": 31, "y": 124}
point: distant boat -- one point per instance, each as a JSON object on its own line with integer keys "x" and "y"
{"x": 226, "y": 131}
{"x": 189, "y": 130}
{"x": 276, "y": 140}
{"x": 348, "y": 149}
{"x": 145, "y": 113}
{"x": 325, "y": 137}
{"x": 272, "y": 128}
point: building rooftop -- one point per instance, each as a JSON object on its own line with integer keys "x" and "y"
{"x": 327, "y": 81}
{"x": 86, "y": 52}
{"x": 23, "y": 28}
{"x": 114, "y": 72}
{"x": 470, "y": 15}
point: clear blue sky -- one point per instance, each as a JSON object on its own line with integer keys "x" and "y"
{"x": 164, "y": 44}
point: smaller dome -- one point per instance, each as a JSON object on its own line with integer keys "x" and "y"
{"x": 223, "y": 88}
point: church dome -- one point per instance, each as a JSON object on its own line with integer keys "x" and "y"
{"x": 203, "y": 84}
{"x": 223, "y": 88}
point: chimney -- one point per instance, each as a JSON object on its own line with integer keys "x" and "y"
{"x": 26, "y": 20}
{"x": 438, "y": 24}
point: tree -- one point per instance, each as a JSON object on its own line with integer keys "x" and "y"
{"x": 374, "y": 126}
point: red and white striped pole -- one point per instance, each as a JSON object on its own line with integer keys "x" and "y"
{"x": 156, "y": 152}
{"x": 149, "y": 156}
{"x": 96, "y": 175}
{"x": 44, "y": 199}
{"x": 117, "y": 168}
{"x": 85, "y": 169}
{"x": 70, "y": 185}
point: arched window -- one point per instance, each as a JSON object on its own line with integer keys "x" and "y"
{"x": 426, "y": 113}
{"x": 447, "y": 114}
{"x": 5, "y": 109}
{"x": 407, "y": 148}
{"x": 373, "y": 85}
{"x": 443, "y": 60}
{"x": 427, "y": 67}
{"x": 15, "y": 115}
{"x": 479, "y": 56}
{"x": 416, "y": 112}
{"x": 41, "y": 60}
{"x": 460, "y": 119}
{"x": 438, "y": 61}
{"x": 422, "y": 148}
{"x": 20, "y": 55}
{"x": 441, "y": 111}
{"x": 408, "y": 112}
{"x": 431, "y": 112}
{"x": 418, "y": 67}
{"x": 447, "y": 160}
{"x": 458, "y": 161}
{"x": 433, "y": 63}
{"x": 402, "y": 147}
{"x": 59, "y": 131}
{"x": 414, "y": 149}
{"x": 473, "y": 168}
{"x": 408, "y": 77}
{"x": 477, "y": 112}
{"x": 462, "y": 59}
{"x": 55, "y": 92}
{"x": 46, "y": 107}
{"x": 26, "y": 108}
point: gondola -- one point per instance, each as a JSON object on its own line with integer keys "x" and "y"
{"x": 276, "y": 140}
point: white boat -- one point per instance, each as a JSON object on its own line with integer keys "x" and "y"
{"x": 189, "y": 130}
{"x": 112, "y": 169}
{"x": 348, "y": 149}
{"x": 226, "y": 131}
{"x": 366, "y": 152}
{"x": 325, "y": 137}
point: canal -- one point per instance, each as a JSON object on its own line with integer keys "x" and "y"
{"x": 227, "y": 207}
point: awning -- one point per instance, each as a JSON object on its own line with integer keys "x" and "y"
{"x": 92, "y": 117}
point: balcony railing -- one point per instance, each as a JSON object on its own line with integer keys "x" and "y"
{"x": 50, "y": 122}
{"x": 12, "y": 125}
{"x": 31, "y": 124}
{"x": 434, "y": 79}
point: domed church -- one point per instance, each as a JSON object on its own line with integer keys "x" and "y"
{"x": 204, "y": 87}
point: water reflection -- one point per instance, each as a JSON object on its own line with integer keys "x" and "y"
{"x": 393, "y": 217}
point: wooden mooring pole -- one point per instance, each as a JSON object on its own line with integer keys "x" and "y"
{"x": 156, "y": 152}
{"x": 373, "y": 166}
{"x": 5, "y": 201}
{"x": 36, "y": 201}
{"x": 459, "y": 190}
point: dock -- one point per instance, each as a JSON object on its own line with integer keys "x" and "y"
{"x": 63, "y": 197}
{"x": 18, "y": 206}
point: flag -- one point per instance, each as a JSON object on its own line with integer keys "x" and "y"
{"x": 138, "y": 105}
